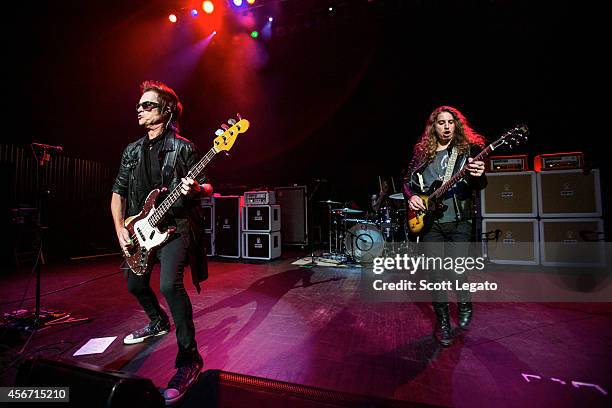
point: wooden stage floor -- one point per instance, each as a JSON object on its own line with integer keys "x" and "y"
{"x": 310, "y": 326}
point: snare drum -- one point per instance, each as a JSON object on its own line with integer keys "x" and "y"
{"x": 364, "y": 242}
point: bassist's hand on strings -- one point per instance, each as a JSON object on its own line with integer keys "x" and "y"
{"x": 416, "y": 203}
{"x": 190, "y": 186}
{"x": 123, "y": 236}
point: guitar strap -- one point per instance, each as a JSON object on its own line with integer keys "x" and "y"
{"x": 451, "y": 164}
{"x": 169, "y": 163}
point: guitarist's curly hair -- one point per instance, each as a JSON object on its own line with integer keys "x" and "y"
{"x": 464, "y": 135}
{"x": 169, "y": 103}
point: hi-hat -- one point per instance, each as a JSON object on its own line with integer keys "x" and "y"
{"x": 397, "y": 196}
{"x": 346, "y": 210}
{"x": 330, "y": 202}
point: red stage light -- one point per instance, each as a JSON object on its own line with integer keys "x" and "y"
{"x": 172, "y": 18}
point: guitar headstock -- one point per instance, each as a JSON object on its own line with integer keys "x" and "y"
{"x": 227, "y": 135}
{"x": 513, "y": 137}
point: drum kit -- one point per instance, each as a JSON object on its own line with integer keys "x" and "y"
{"x": 356, "y": 239}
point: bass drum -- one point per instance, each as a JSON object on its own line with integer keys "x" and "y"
{"x": 364, "y": 242}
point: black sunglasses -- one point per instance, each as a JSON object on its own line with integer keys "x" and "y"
{"x": 147, "y": 105}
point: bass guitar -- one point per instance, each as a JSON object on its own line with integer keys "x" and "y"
{"x": 143, "y": 227}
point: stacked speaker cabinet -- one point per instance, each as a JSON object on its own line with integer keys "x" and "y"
{"x": 510, "y": 195}
{"x": 228, "y": 226}
{"x": 511, "y": 241}
{"x": 509, "y": 228}
{"x": 570, "y": 208}
{"x": 572, "y": 242}
{"x": 208, "y": 213}
{"x": 261, "y": 237}
{"x": 558, "y": 210}
{"x": 569, "y": 193}
{"x": 294, "y": 218}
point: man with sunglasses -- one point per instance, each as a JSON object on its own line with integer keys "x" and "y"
{"x": 162, "y": 158}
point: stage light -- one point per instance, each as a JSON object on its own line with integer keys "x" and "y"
{"x": 214, "y": 32}
{"x": 254, "y": 34}
{"x": 172, "y": 18}
{"x": 237, "y": 3}
{"x": 194, "y": 13}
{"x": 331, "y": 9}
{"x": 251, "y": 1}
{"x": 208, "y": 7}
{"x": 270, "y": 19}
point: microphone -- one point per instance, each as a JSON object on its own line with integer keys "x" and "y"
{"x": 57, "y": 149}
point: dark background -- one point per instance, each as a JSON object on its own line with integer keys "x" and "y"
{"x": 340, "y": 96}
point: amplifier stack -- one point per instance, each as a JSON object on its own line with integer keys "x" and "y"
{"x": 228, "y": 226}
{"x": 527, "y": 214}
{"x": 261, "y": 223}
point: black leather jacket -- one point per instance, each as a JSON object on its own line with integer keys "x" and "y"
{"x": 462, "y": 193}
{"x": 186, "y": 212}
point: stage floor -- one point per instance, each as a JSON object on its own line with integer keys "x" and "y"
{"x": 310, "y": 326}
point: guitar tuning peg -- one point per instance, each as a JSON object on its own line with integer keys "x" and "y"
{"x": 238, "y": 116}
{"x": 219, "y": 132}
{"x": 224, "y": 126}
{"x": 232, "y": 122}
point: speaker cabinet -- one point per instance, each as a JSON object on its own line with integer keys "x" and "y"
{"x": 227, "y": 226}
{"x": 572, "y": 242}
{"x": 510, "y": 194}
{"x": 569, "y": 193}
{"x": 261, "y": 245}
{"x": 209, "y": 240}
{"x": 89, "y": 385}
{"x": 261, "y": 218}
{"x": 208, "y": 213}
{"x": 294, "y": 215}
{"x": 511, "y": 241}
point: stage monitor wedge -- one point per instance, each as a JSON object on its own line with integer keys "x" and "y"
{"x": 89, "y": 386}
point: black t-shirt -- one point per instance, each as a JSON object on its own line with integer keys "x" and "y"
{"x": 153, "y": 162}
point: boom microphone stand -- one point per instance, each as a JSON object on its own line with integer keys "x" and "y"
{"x": 43, "y": 318}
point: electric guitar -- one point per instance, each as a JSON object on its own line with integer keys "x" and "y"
{"x": 143, "y": 227}
{"x": 418, "y": 220}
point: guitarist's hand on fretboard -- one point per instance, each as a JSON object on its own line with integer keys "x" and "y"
{"x": 475, "y": 167}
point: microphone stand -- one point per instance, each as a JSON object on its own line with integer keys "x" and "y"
{"x": 43, "y": 318}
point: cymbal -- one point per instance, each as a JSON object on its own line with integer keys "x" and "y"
{"x": 330, "y": 202}
{"x": 346, "y": 210}
{"x": 356, "y": 220}
{"x": 397, "y": 196}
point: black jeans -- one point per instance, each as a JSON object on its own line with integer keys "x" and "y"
{"x": 172, "y": 257}
{"x": 450, "y": 234}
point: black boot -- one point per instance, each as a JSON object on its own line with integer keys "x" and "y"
{"x": 443, "y": 326}
{"x": 464, "y": 314}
